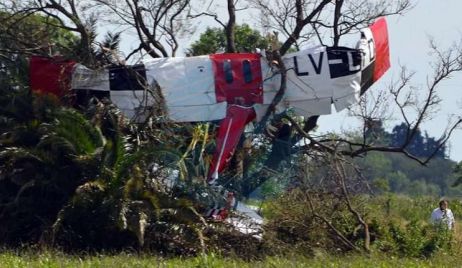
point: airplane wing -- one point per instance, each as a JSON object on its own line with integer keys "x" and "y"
{"x": 200, "y": 88}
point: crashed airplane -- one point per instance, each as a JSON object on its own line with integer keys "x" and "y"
{"x": 234, "y": 88}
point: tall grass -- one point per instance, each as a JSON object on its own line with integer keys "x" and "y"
{"x": 59, "y": 260}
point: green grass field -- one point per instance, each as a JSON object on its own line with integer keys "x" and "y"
{"x": 58, "y": 260}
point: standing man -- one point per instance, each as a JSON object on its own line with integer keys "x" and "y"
{"x": 443, "y": 215}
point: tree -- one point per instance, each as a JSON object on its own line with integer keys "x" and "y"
{"x": 17, "y": 42}
{"x": 213, "y": 40}
{"x": 157, "y": 24}
{"x": 420, "y": 145}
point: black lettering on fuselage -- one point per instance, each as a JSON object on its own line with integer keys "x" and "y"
{"x": 316, "y": 66}
{"x": 297, "y": 71}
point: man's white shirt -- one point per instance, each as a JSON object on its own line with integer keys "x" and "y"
{"x": 443, "y": 217}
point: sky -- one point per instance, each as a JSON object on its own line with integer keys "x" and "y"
{"x": 409, "y": 46}
{"x": 409, "y": 37}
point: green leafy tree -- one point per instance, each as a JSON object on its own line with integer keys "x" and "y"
{"x": 457, "y": 171}
{"x": 23, "y": 36}
{"x": 420, "y": 145}
{"x": 376, "y": 165}
{"x": 213, "y": 40}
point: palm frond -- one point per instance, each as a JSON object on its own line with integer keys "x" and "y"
{"x": 77, "y": 130}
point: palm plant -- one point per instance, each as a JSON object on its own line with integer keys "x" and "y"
{"x": 40, "y": 161}
{"x": 131, "y": 184}
{"x": 134, "y": 194}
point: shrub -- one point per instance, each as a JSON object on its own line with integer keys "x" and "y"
{"x": 398, "y": 225}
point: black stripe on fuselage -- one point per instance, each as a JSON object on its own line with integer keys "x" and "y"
{"x": 343, "y": 61}
{"x": 127, "y": 78}
{"x": 367, "y": 77}
{"x": 83, "y": 96}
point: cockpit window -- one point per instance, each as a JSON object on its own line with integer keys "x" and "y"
{"x": 227, "y": 68}
{"x": 247, "y": 71}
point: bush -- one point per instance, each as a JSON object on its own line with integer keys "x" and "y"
{"x": 402, "y": 226}
{"x": 97, "y": 182}
{"x": 292, "y": 225}
{"x": 398, "y": 225}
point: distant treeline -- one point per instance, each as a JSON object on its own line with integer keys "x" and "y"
{"x": 388, "y": 172}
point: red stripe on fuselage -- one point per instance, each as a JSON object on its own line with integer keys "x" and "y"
{"x": 382, "y": 49}
{"x": 233, "y": 82}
